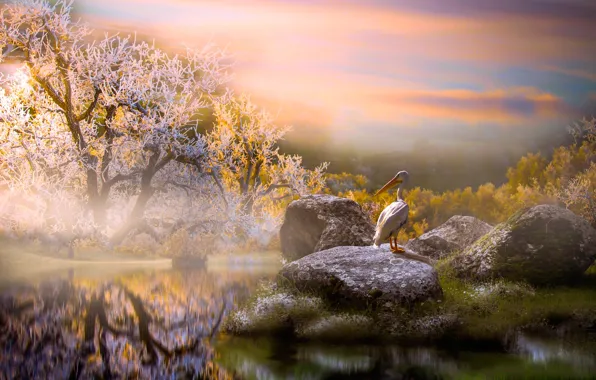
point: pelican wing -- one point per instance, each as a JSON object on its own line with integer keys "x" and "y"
{"x": 391, "y": 220}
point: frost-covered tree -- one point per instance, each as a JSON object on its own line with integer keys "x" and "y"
{"x": 38, "y": 165}
{"x": 156, "y": 125}
{"x": 244, "y": 143}
{"x": 101, "y": 115}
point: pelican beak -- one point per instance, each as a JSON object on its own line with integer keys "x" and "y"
{"x": 389, "y": 185}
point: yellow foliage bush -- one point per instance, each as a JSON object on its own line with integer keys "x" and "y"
{"x": 569, "y": 179}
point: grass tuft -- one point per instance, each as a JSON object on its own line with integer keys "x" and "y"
{"x": 492, "y": 309}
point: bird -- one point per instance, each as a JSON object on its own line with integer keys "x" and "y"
{"x": 394, "y": 216}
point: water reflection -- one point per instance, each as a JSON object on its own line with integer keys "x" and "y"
{"x": 264, "y": 358}
{"x": 339, "y": 361}
{"x": 579, "y": 353}
{"x": 85, "y": 320}
{"x": 147, "y": 326}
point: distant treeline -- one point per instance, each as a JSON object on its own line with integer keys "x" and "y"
{"x": 438, "y": 166}
{"x": 567, "y": 176}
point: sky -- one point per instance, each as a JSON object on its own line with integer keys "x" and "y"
{"x": 379, "y": 74}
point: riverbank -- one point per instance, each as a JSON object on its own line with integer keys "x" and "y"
{"x": 469, "y": 313}
{"x": 26, "y": 263}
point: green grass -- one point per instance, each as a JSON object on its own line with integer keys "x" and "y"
{"x": 487, "y": 314}
{"x": 490, "y": 310}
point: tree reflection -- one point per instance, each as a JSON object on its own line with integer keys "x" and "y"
{"x": 61, "y": 329}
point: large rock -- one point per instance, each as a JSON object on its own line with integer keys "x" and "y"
{"x": 456, "y": 234}
{"x": 542, "y": 245}
{"x": 363, "y": 276}
{"x": 318, "y": 222}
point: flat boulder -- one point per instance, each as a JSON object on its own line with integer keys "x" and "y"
{"x": 359, "y": 277}
{"x": 458, "y": 233}
{"x": 542, "y": 245}
{"x": 317, "y": 222}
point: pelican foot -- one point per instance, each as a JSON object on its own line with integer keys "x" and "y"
{"x": 398, "y": 249}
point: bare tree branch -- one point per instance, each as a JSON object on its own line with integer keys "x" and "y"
{"x": 275, "y": 187}
{"x": 89, "y": 110}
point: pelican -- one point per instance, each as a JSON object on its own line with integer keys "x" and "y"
{"x": 394, "y": 216}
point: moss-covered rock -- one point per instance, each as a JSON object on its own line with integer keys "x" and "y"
{"x": 542, "y": 245}
{"x": 456, "y": 234}
{"x": 470, "y": 313}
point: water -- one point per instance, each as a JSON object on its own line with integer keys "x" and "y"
{"x": 46, "y": 305}
{"x": 267, "y": 359}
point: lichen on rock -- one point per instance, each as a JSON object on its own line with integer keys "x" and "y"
{"x": 362, "y": 277}
{"x": 542, "y": 245}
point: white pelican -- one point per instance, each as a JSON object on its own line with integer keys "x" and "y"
{"x": 394, "y": 216}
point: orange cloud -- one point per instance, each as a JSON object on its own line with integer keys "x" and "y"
{"x": 498, "y": 106}
{"x": 408, "y": 108}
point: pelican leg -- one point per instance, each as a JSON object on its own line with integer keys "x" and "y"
{"x": 396, "y": 248}
{"x": 391, "y": 243}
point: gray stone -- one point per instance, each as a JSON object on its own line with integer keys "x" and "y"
{"x": 544, "y": 244}
{"x": 363, "y": 276}
{"x": 458, "y": 233}
{"x": 318, "y": 222}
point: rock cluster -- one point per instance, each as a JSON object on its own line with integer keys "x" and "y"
{"x": 336, "y": 278}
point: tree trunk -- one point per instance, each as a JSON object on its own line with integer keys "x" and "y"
{"x": 248, "y": 205}
{"x": 139, "y": 209}
{"x": 96, "y": 203}
{"x": 147, "y": 191}
{"x": 136, "y": 216}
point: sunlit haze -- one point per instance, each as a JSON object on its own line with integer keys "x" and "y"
{"x": 305, "y": 189}
{"x": 384, "y": 73}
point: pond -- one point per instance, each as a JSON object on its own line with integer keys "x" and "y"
{"x": 67, "y": 319}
